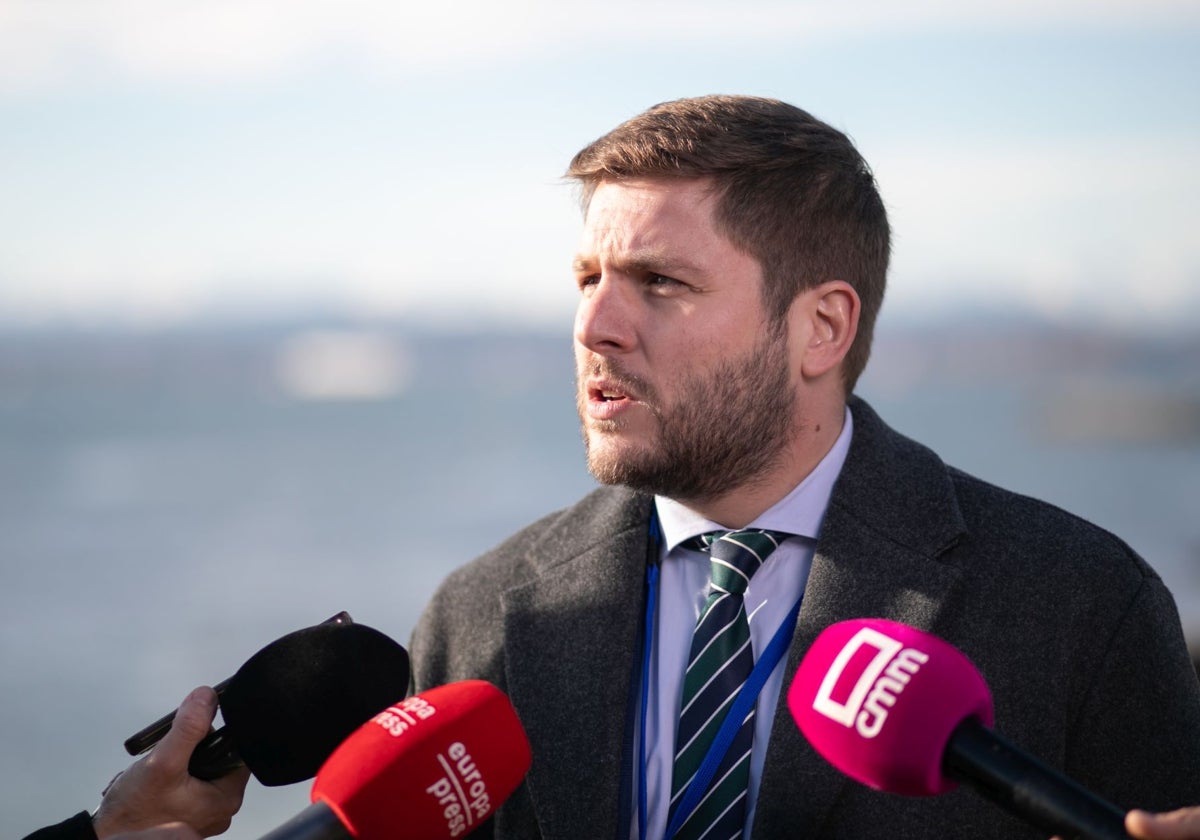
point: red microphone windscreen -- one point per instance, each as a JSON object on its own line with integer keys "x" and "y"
{"x": 879, "y": 701}
{"x": 435, "y": 765}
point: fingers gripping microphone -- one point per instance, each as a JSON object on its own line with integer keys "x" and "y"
{"x": 433, "y": 766}
{"x": 290, "y": 705}
{"x": 906, "y": 712}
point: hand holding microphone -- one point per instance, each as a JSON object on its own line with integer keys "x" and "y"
{"x": 286, "y": 709}
{"x": 905, "y": 712}
{"x": 158, "y": 788}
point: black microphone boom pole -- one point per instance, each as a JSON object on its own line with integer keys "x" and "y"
{"x": 316, "y": 822}
{"x": 1019, "y": 782}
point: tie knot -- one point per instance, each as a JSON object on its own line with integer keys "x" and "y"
{"x": 736, "y": 555}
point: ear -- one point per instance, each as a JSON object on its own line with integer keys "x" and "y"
{"x": 828, "y": 316}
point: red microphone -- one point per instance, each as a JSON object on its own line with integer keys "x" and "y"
{"x": 905, "y": 712}
{"x": 435, "y": 765}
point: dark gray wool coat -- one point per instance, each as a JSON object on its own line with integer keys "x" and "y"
{"x": 1076, "y": 635}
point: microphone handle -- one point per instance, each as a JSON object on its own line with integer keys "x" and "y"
{"x": 1028, "y": 787}
{"x": 316, "y": 822}
{"x": 215, "y": 756}
{"x": 144, "y": 739}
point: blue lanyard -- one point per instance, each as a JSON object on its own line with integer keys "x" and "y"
{"x": 770, "y": 659}
{"x": 651, "y": 605}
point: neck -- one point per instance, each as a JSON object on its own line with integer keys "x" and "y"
{"x": 741, "y": 505}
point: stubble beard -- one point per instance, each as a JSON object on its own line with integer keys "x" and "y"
{"x": 727, "y": 429}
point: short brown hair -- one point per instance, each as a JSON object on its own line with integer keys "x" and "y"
{"x": 792, "y": 192}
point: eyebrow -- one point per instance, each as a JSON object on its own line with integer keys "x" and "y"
{"x": 648, "y": 260}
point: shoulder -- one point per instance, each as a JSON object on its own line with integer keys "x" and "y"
{"x": 461, "y": 631}
{"x": 550, "y": 540}
{"x": 1073, "y": 589}
{"x": 902, "y": 489}
{"x": 1020, "y": 526}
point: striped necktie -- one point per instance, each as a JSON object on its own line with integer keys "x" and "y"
{"x": 720, "y": 661}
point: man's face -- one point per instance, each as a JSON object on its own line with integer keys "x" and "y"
{"x": 684, "y": 386}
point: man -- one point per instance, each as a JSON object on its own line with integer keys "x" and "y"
{"x": 732, "y": 263}
{"x": 155, "y": 798}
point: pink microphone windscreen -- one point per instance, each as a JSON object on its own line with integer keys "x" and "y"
{"x": 879, "y": 700}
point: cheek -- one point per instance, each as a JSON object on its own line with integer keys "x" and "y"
{"x": 692, "y": 351}
{"x": 581, "y": 358}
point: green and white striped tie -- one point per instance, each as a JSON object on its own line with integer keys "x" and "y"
{"x": 720, "y": 661}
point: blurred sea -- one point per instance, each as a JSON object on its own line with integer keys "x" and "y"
{"x": 171, "y": 501}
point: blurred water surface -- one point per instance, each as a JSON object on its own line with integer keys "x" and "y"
{"x": 172, "y": 501}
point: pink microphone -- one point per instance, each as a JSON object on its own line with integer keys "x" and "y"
{"x": 905, "y": 712}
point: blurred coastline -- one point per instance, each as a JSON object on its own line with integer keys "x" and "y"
{"x": 171, "y": 500}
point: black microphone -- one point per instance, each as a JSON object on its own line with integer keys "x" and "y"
{"x": 1027, "y": 786}
{"x": 905, "y": 712}
{"x": 290, "y": 705}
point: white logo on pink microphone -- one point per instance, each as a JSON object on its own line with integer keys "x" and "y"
{"x": 878, "y": 685}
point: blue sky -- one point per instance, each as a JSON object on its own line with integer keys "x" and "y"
{"x": 162, "y": 159}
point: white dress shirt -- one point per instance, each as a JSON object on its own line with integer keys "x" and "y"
{"x": 770, "y": 596}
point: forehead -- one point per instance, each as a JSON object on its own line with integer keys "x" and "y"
{"x": 651, "y": 215}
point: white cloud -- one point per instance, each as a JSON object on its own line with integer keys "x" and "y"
{"x": 100, "y": 219}
{"x": 1107, "y": 225}
{"x": 163, "y": 41}
{"x": 1105, "y": 228}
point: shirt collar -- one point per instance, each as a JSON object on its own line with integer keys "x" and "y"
{"x": 800, "y": 512}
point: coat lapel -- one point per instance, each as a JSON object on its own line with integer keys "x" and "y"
{"x": 892, "y": 513}
{"x": 572, "y": 636}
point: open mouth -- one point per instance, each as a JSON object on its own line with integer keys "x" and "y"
{"x": 609, "y": 400}
{"x": 610, "y": 394}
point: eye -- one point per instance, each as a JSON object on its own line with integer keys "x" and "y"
{"x": 585, "y": 281}
{"x": 662, "y": 284}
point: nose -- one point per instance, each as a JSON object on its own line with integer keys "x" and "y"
{"x": 606, "y": 318}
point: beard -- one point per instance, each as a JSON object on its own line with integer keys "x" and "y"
{"x": 727, "y": 430}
